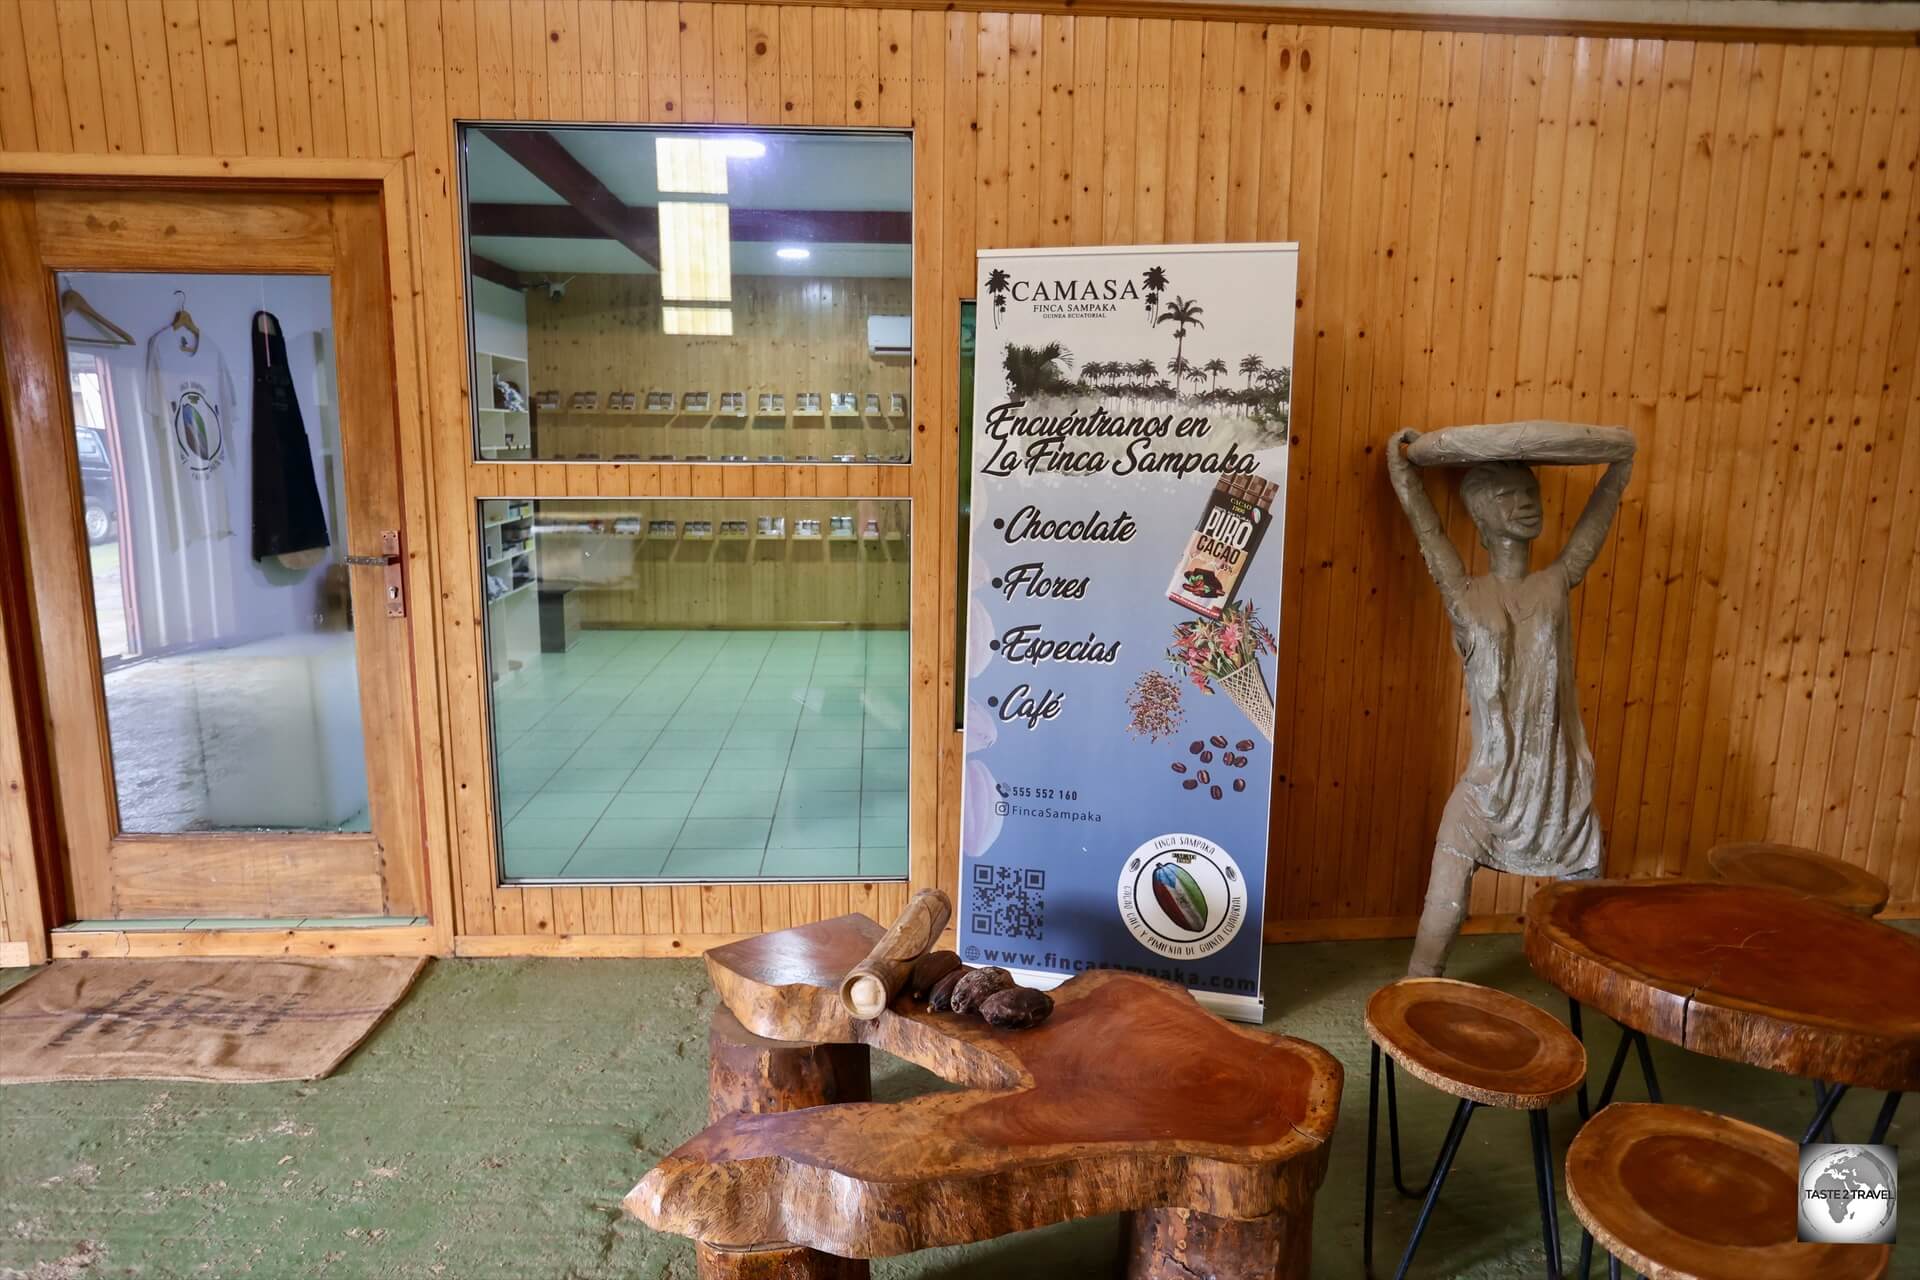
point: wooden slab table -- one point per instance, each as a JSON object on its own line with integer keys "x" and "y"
{"x": 1130, "y": 1099}
{"x": 1747, "y": 973}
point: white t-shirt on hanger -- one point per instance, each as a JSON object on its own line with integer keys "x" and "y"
{"x": 190, "y": 397}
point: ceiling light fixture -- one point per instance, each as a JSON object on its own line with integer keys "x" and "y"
{"x": 793, "y": 253}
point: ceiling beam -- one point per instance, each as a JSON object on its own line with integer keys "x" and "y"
{"x": 799, "y": 226}
{"x": 541, "y": 155}
{"x": 488, "y": 269}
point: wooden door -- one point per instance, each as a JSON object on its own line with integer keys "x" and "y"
{"x": 212, "y": 711}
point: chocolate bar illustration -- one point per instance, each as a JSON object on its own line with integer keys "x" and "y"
{"x": 1230, "y": 530}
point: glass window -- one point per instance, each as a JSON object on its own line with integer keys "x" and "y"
{"x": 699, "y": 689}
{"x": 208, "y": 437}
{"x": 689, "y": 294}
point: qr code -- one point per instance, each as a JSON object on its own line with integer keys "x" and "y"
{"x": 1008, "y": 902}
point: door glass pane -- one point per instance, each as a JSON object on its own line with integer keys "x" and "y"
{"x": 689, "y": 294}
{"x": 215, "y": 508}
{"x": 699, "y": 690}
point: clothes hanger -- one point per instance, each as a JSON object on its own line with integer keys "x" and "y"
{"x": 74, "y": 303}
{"x": 183, "y": 319}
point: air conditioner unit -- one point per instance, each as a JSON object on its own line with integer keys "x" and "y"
{"x": 889, "y": 336}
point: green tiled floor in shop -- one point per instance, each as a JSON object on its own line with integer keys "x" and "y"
{"x": 706, "y": 755}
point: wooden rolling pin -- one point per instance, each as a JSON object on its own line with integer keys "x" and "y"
{"x": 871, "y": 985}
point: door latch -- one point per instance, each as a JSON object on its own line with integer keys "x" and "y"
{"x": 389, "y": 560}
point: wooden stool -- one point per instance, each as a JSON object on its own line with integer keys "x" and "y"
{"x": 1690, "y": 1195}
{"x": 1486, "y": 1048}
{"x": 1801, "y": 870}
{"x": 1131, "y": 1099}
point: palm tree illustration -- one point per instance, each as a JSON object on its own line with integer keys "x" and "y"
{"x": 1214, "y": 367}
{"x": 1034, "y": 371}
{"x": 1155, "y": 279}
{"x": 1185, "y": 315}
{"x": 997, "y": 285}
{"x": 1178, "y": 367}
{"x": 1198, "y": 377}
{"x": 1251, "y": 365}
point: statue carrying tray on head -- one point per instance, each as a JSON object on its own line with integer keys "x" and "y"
{"x": 1525, "y": 803}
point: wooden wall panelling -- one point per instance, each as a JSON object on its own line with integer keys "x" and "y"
{"x": 1599, "y": 227}
{"x": 1369, "y": 800}
{"x": 1834, "y": 549}
{"x": 1421, "y": 116}
{"x": 1304, "y": 105}
{"x": 1775, "y": 571}
{"x": 1885, "y": 570}
{"x": 1740, "y": 421}
{"x": 1890, "y": 686}
{"x": 448, "y": 79}
{"x": 801, "y": 333}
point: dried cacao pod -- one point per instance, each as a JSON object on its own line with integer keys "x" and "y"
{"x": 940, "y": 999}
{"x": 977, "y": 986}
{"x": 929, "y": 969}
{"x": 1016, "y": 1008}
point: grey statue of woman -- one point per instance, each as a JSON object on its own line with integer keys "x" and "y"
{"x": 1525, "y": 803}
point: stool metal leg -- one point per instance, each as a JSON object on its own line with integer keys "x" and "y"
{"x": 1393, "y": 1134}
{"x": 1573, "y": 1022}
{"x": 1543, "y": 1182}
{"x": 1819, "y": 1101}
{"x": 1437, "y": 1179}
{"x": 1613, "y": 1268}
{"x": 1373, "y": 1142}
{"x": 1637, "y": 1041}
{"x": 1646, "y": 1066}
{"x": 1613, "y": 1072}
{"x": 1586, "y": 1252}
{"x": 1824, "y": 1114}
{"x": 1885, "y": 1119}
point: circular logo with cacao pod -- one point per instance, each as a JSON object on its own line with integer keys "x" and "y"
{"x": 1182, "y": 896}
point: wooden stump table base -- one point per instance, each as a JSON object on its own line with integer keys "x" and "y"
{"x": 1179, "y": 1244}
{"x": 780, "y": 1262}
{"x": 752, "y": 1074}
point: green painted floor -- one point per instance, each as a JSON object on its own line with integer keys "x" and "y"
{"x": 490, "y": 1128}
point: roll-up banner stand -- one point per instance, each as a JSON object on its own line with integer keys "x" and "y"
{"x": 1130, "y": 468}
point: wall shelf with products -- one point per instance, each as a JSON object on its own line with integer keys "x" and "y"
{"x": 797, "y": 364}
{"x": 506, "y": 425}
{"x": 698, "y": 563}
{"x": 508, "y": 550}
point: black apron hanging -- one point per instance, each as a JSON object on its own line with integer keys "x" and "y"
{"x": 287, "y": 516}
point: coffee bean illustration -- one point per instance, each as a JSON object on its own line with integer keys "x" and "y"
{"x": 1206, "y": 757}
{"x": 1245, "y": 744}
{"x": 1203, "y": 776}
{"x": 1239, "y": 784}
{"x": 1178, "y": 767}
{"x": 1194, "y": 748}
{"x": 1218, "y": 740}
{"x": 1214, "y": 791}
{"x": 1190, "y": 783}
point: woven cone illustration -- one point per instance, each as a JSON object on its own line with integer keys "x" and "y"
{"x": 1247, "y": 686}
